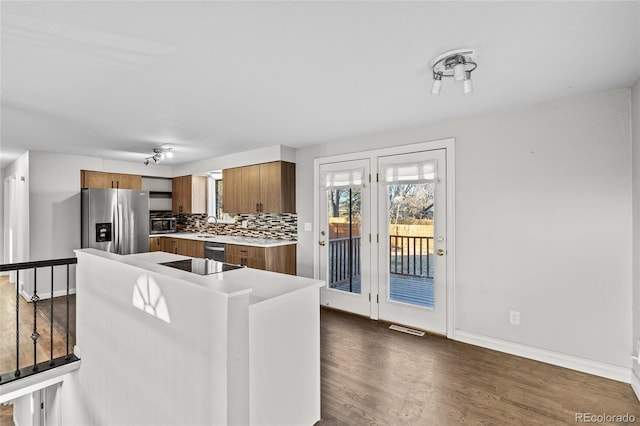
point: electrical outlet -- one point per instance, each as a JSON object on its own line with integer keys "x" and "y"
{"x": 514, "y": 317}
{"x": 245, "y": 223}
{"x": 307, "y": 226}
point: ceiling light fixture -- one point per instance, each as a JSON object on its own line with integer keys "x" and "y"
{"x": 458, "y": 64}
{"x": 159, "y": 154}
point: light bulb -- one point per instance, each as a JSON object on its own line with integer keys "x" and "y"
{"x": 437, "y": 83}
{"x": 458, "y": 71}
{"x": 168, "y": 154}
{"x": 161, "y": 155}
{"x": 467, "y": 85}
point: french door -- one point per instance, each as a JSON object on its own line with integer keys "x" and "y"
{"x": 412, "y": 223}
{"x": 382, "y": 236}
{"x": 345, "y": 218}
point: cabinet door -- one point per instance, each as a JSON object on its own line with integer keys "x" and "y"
{"x": 92, "y": 179}
{"x": 281, "y": 259}
{"x": 231, "y": 188}
{"x": 180, "y": 194}
{"x": 124, "y": 181}
{"x": 190, "y": 248}
{"x": 241, "y": 188}
{"x": 155, "y": 244}
{"x": 198, "y": 186}
{"x": 170, "y": 245}
{"x": 189, "y": 194}
{"x": 270, "y": 183}
{"x": 233, "y": 254}
{"x": 250, "y": 193}
{"x": 278, "y": 187}
{"x": 256, "y": 257}
{"x": 252, "y": 257}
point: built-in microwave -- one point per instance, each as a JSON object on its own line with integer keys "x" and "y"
{"x": 161, "y": 225}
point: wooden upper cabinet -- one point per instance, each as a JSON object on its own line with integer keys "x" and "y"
{"x": 189, "y": 194}
{"x": 232, "y": 185}
{"x": 260, "y": 188}
{"x": 93, "y": 179}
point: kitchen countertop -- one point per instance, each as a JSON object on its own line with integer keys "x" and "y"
{"x": 262, "y": 285}
{"x": 228, "y": 239}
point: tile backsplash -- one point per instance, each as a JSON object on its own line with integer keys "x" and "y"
{"x": 281, "y": 226}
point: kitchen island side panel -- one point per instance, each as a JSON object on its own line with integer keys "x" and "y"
{"x": 284, "y": 359}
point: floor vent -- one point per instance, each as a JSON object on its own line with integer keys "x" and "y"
{"x": 406, "y": 330}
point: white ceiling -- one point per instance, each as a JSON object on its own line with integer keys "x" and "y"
{"x": 115, "y": 79}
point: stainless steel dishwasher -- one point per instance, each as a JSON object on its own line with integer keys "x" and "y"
{"x": 215, "y": 251}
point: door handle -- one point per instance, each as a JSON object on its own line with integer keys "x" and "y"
{"x": 440, "y": 252}
{"x": 322, "y": 242}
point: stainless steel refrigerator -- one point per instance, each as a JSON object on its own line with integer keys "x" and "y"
{"x": 115, "y": 220}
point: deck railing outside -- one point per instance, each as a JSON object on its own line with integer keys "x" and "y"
{"x": 21, "y": 372}
{"x": 339, "y": 249}
{"x": 411, "y": 255}
{"x": 408, "y": 255}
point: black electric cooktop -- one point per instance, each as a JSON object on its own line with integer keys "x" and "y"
{"x": 201, "y": 266}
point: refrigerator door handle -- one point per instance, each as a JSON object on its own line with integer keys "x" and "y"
{"x": 117, "y": 225}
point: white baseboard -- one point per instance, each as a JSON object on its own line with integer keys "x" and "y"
{"x": 597, "y": 368}
{"x": 44, "y": 296}
{"x": 635, "y": 383}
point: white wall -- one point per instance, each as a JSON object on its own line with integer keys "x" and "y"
{"x": 2, "y": 206}
{"x": 543, "y": 222}
{"x": 262, "y": 155}
{"x": 635, "y": 120}
{"x": 19, "y": 170}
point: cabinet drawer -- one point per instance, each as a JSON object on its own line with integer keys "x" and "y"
{"x": 253, "y": 257}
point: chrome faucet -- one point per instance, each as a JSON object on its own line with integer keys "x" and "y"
{"x": 215, "y": 220}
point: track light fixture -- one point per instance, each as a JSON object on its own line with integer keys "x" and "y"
{"x": 159, "y": 154}
{"x": 457, "y": 64}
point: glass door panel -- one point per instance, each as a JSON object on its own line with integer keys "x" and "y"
{"x": 411, "y": 267}
{"x": 345, "y": 229}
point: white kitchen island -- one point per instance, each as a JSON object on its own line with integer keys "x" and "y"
{"x": 164, "y": 346}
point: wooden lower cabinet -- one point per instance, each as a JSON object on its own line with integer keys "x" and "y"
{"x": 180, "y": 246}
{"x": 155, "y": 244}
{"x": 170, "y": 245}
{"x": 191, "y": 248}
{"x": 276, "y": 259}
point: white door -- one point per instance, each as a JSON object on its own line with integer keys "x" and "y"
{"x": 412, "y": 226}
{"x": 344, "y": 235}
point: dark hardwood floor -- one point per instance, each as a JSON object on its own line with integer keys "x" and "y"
{"x": 375, "y": 376}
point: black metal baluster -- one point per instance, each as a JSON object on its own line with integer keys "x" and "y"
{"x": 67, "y": 355}
{"x": 51, "y": 324}
{"x": 35, "y": 335}
{"x": 421, "y": 244}
{"x": 414, "y": 256}
{"x": 17, "y": 373}
{"x": 395, "y": 254}
{"x": 428, "y": 262}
